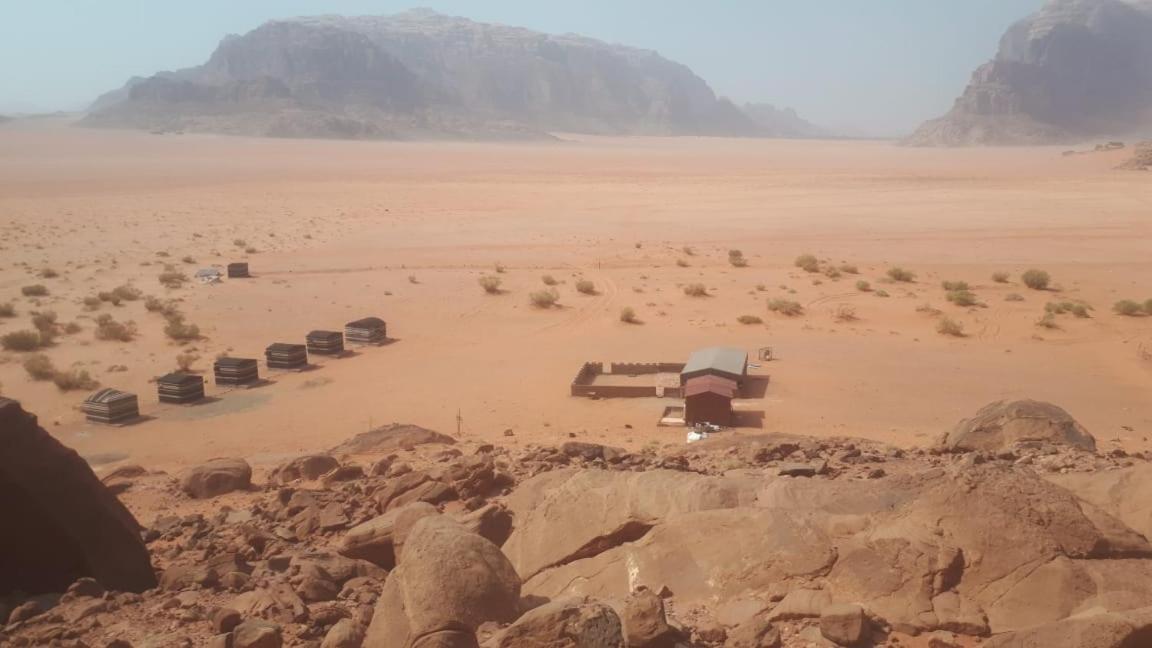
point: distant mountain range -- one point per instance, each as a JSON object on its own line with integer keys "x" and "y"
{"x": 422, "y": 74}
{"x": 1075, "y": 70}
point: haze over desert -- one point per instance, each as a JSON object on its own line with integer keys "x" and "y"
{"x": 403, "y": 231}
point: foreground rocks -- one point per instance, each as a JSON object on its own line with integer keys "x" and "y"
{"x": 216, "y": 477}
{"x": 1002, "y": 426}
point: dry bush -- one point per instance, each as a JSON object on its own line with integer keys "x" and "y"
{"x": 412, "y": 279}
{"x": 92, "y": 303}
{"x": 544, "y": 298}
{"x": 1128, "y": 308}
{"x": 490, "y": 284}
{"x": 1077, "y": 309}
{"x": 952, "y": 286}
{"x": 1000, "y": 277}
{"x": 179, "y": 330}
{"x": 7, "y": 310}
{"x": 239, "y": 243}
{"x": 549, "y": 280}
{"x": 785, "y": 307}
{"x": 1148, "y": 306}
{"x": 863, "y": 286}
{"x": 950, "y": 327}
{"x": 74, "y": 379}
{"x": 22, "y": 341}
{"x": 127, "y": 292}
{"x": 72, "y": 328}
{"x": 902, "y": 275}
{"x": 963, "y": 298}
{"x": 749, "y": 319}
{"x": 736, "y": 258}
{"x": 109, "y": 297}
{"x": 1014, "y": 297}
{"x": 172, "y": 279}
{"x": 687, "y": 249}
{"x": 845, "y": 313}
{"x": 1048, "y": 321}
{"x": 832, "y": 273}
{"x": 928, "y": 309}
{"x": 881, "y": 293}
{"x": 696, "y": 290}
{"x": 585, "y": 287}
{"x": 111, "y": 330}
{"x": 499, "y": 268}
{"x": 682, "y": 263}
{"x": 251, "y": 250}
{"x": 807, "y": 263}
{"x": 49, "y": 273}
{"x": 1036, "y": 279}
{"x": 45, "y": 322}
{"x": 628, "y": 315}
{"x": 189, "y": 260}
{"x": 185, "y": 361}
{"x": 39, "y": 367}
{"x": 35, "y": 290}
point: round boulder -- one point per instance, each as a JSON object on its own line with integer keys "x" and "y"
{"x": 1002, "y": 424}
{"x": 216, "y": 477}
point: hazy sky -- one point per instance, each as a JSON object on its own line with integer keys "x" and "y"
{"x": 875, "y": 66}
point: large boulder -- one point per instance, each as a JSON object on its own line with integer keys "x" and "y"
{"x": 1002, "y": 424}
{"x": 1091, "y": 630}
{"x": 216, "y": 477}
{"x": 1125, "y": 493}
{"x": 448, "y": 581}
{"x": 390, "y": 438}
{"x": 308, "y": 467}
{"x": 645, "y": 621}
{"x": 60, "y": 522}
{"x": 374, "y": 540}
{"x": 573, "y": 623}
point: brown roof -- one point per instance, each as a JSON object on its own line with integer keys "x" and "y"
{"x": 714, "y": 384}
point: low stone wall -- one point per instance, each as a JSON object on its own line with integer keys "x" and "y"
{"x": 642, "y": 368}
{"x": 583, "y": 384}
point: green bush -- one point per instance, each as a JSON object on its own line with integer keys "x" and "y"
{"x": 952, "y": 286}
{"x": 900, "y": 274}
{"x": 963, "y": 298}
{"x": 1128, "y": 308}
{"x": 1036, "y": 279}
{"x": 35, "y": 290}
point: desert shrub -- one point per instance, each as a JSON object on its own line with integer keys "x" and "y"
{"x": 154, "y": 304}
{"x": 74, "y": 379}
{"x": 749, "y": 319}
{"x": 127, "y": 293}
{"x": 22, "y": 341}
{"x": 807, "y": 263}
{"x": 585, "y": 287}
{"x": 185, "y": 361}
{"x": 239, "y": 243}
{"x": 499, "y": 268}
{"x": 863, "y": 286}
{"x": 35, "y": 290}
{"x": 900, "y": 274}
{"x": 189, "y": 260}
{"x": 832, "y": 273}
{"x": 1036, "y": 279}
{"x": 682, "y": 263}
{"x": 1147, "y": 307}
{"x": 92, "y": 303}
{"x": 736, "y": 258}
{"x": 111, "y": 330}
{"x": 928, "y": 309}
{"x": 1128, "y": 308}
{"x": 72, "y": 328}
{"x": 251, "y": 250}
{"x": 881, "y": 293}
{"x": 687, "y": 249}
{"x": 49, "y": 273}
{"x": 1080, "y": 310}
{"x": 172, "y": 279}
{"x": 181, "y": 331}
{"x": 963, "y": 298}
{"x": 849, "y": 268}
{"x": 491, "y": 284}
{"x": 951, "y": 286}
{"x": 109, "y": 297}
{"x": 845, "y": 313}
{"x": 162, "y": 253}
{"x": 45, "y": 322}
{"x": 950, "y": 327}
{"x": 628, "y": 315}
{"x": 544, "y": 298}
{"x": 696, "y": 290}
{"x": 549, "y": 280}
{"x": 1048, "y": 321}
{"x": 7, "y": 310}
{"x": 1014, "y": 297}
{"x": 1000, "y": 277}
{"x": 785, "y": 307}
{"x": 39, "y": 367}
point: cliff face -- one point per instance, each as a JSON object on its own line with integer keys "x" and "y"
{"x": 1077, "y": 69}
{"x": 421, "y": 73}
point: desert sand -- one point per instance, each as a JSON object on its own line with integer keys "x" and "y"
{"x": 403, "y": 231}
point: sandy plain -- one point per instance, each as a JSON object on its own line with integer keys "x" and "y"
{"x": 403, "y": 231}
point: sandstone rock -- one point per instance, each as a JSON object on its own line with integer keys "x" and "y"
{"x": 256, "y": 634}
{"x": 844, "y": 624}
{"x": 84, "y": 587}
{"x": 1124, "y": 493}
{"x": 308, "y": 467}
{"x": 345, "y": 634}
{"x": 225, "y": 620}
{"x": 413, "y": 487}
{"x": 645, "y": 623}
{"x": 574, "y": 623}
{"x": 216, "y": 477}
{"x": 374, "y": 540}
{"x": 275, "y": 603}
{"x": 1132, "y": 629}
{"x": 25, "y": 611}
{"x": 314, "y": 590}
{"x": 491, "y": 521}
{"x": 448, "y": 580}
{"x": 391, "y": 438}
{"x": 207, "y": 573}
{"x": 757, "y": 632}
{"x": 999, "y": 426}
{"x": 70, "y": 526}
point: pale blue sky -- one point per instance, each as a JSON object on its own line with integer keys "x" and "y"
{"x": 874, "y": 66}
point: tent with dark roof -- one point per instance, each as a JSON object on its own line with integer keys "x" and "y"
{"x": 724, "y": 362}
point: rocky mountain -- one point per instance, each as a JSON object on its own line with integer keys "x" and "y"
{"x": 1075, "y": 70}
{"x": 771, "y": 121}
{"x": 421, "y": 73}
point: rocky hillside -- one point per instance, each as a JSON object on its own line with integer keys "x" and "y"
{"x": 771, "y": 121}
{"x": 422, "y": 74}
{"x": 1013, "y": 531}
{"x": 1076, "y": 70}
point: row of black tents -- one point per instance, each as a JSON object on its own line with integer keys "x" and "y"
{"x": 112, "y": 406}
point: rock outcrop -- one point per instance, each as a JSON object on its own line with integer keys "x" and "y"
{"x": 422, "y": 74}
{"x": 1002, "y": 425}
{"x": 60, "y": 522}
{"x": 572, "y": 623}
{"x": 1075, "y": 70}
{"x": 216, "y": 477}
